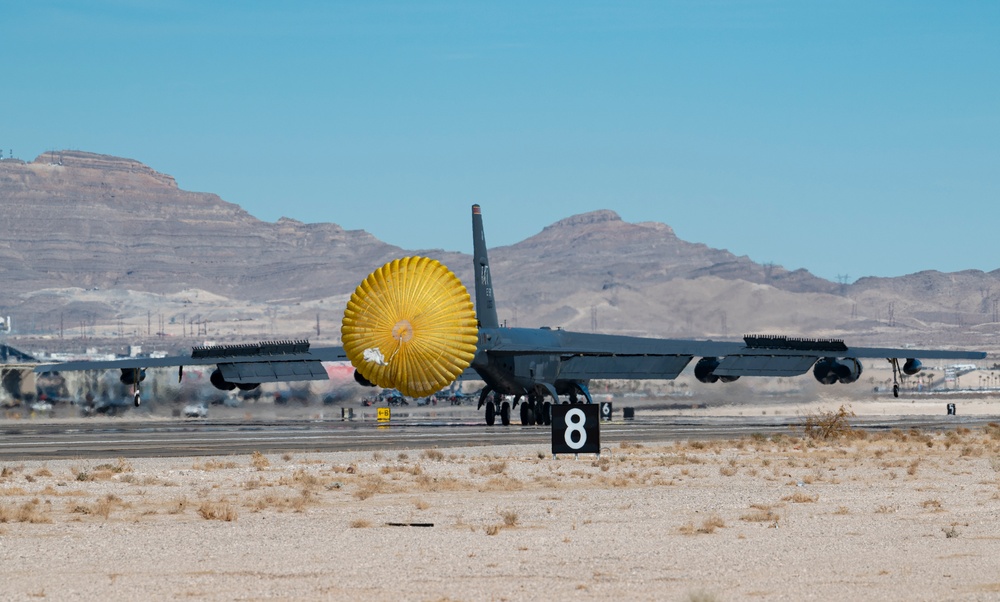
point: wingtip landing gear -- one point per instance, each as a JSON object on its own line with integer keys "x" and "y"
{"x": 897, "y": 373}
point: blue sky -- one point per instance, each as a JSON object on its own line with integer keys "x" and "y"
{"x": 848, "y": 138}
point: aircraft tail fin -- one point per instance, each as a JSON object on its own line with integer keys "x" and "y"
{"x": 486, "y": 310}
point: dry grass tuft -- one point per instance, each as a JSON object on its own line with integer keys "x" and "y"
{"x": 933, "y": 505}
{"x": 708, "y": 526}
{"x": 28, "y": 512}
{"x": 360, "y": 523}
{"x": 259, "y": 461}
{"x": 510, "y": 518}
{"x": 493, "y": 529}
{"x": 301, "y": 477}
{"x": 104, "y": 506}
{"x": 215, "y": 465}
{"x": 433, "y": 454}
{"x": 220, "y": 510}
{"x": 437, "y": 484}
{"x": 502, "y": 483}
{"x": 800, "y": 498}
{"x": 488, "y": 469}
{"x": 760, "y": 513}
{"x": 373, "y": 485}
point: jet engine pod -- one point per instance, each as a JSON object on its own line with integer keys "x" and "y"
{"x": 129, "y": 375}
{"x": 219, "y": 382}
{"x": 912, "y": 366}
{"x": 704, "y": 370}
{"x": 831, "y": 370}
{"x": 361, "y": 380}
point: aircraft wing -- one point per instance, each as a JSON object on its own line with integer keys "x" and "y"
{"x": 239, "y": 364}
{"x": 611, "y": 357}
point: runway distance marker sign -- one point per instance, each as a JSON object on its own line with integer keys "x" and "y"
{"x": 576, "y": 429}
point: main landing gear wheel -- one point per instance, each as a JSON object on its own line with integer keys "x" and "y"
{"x": 546, "y": 418}
{"x": 537, "y": 407}
{"x": 136, "y": 399}
{"x": 895, "y": 390}
{"x": 505, "y": 413}
{"x": 527, "y": 413}
{"x": 491, "y": 413}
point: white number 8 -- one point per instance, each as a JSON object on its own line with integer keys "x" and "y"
{"x": 575, "y": 420}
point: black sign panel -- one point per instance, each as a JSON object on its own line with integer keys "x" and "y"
{"x": 576, "y": 429}
{"x": 606, "y": 411}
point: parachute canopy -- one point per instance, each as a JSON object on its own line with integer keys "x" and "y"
{"x": 410, "y": 325}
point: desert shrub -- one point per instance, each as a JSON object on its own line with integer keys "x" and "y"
{"x": 830, "y": 425}
{"x": 225, "y": 511}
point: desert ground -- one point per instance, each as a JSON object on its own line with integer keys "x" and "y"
{"x": 833, "y": 515}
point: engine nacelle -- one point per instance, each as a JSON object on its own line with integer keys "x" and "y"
{"x": 361, "y": 380}
{"x": 704, "y": 370}
{"x": 219, "y": 382}
{"x": 912, "y": 366}
{"x": 128, "y": 376}
{"x": 830, "y": 370}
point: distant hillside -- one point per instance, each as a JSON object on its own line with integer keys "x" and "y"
{"x": 74, "y": 219}
{"x": 97, "y": 246}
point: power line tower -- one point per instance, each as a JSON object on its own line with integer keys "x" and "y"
{"x": 843, "y": 279}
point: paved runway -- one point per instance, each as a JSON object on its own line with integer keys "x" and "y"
{"x": 111, "y": 438}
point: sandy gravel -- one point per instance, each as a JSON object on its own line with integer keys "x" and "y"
{"x": 903, "y": 516}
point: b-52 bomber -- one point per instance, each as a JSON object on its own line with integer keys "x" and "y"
{"x": 534, "y": 366}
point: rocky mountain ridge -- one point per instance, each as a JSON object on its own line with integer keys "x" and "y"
{"x": 99, "y": 246}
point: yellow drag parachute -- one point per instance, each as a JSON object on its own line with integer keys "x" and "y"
{"x": 410, "y": 326}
